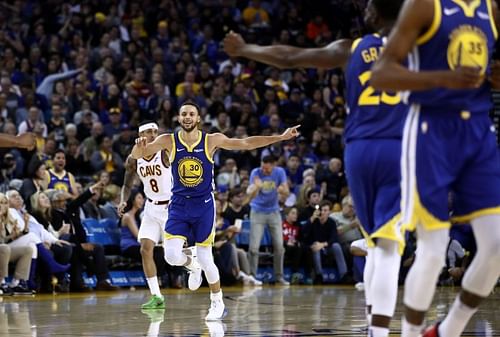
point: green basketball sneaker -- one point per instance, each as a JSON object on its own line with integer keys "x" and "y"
{"x": 155, "y": 302}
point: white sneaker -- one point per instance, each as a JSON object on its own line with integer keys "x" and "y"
{"x": 360, "y": 286}
{"x": 254, "y": 281}
{"x": 216, "y": 328}
{"x": 194, "y": 270}
{"x": 217, "y": 311}
{"x": 281, "y": 281}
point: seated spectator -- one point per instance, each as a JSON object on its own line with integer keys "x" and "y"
{"x": 347, "y": 224}
{"x": 232, "y": 261}
{"x": 317, "y": 29}
{"x": 84, "y": 253}
{"x": 111, "y": 195}
{"x": 238, "y": 208}
{"x": 320, "y": 235}
{"x": 294, "y": 170}
{"x": 35, "y": 181}
{"x": 20, "y": 254}
{"x": 228, "y": 174}
{"x": 46, "y": 262}
{"x": 91, "y": 207}
{"x": 293, "y": 247}
{"x": 130, "y": 223}
{"x": 313, "y": 199}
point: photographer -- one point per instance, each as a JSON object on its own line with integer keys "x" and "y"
{"x": 320, "y": 235}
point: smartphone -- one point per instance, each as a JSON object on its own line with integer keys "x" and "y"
{"x": 316, "y": 207}
{"x": 238, "y": 223}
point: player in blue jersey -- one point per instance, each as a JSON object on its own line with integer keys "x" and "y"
{"x": 373, "y": 144}
{"x": 192, "y": 206}
{"x": 449, "y": 145}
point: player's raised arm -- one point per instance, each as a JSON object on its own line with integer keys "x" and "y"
{"x": 336, "y": 54}
{"x": 143, "y": 149}
{"x": 219, "y": 140}
{"x": 389, "y": 74}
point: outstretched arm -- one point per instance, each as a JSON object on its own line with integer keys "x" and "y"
{"x": 219, "y": 140}
{"x": 130, "y": 172}
{"x": 143, "y": 149}
{"x": 389, "y": 74}
{"x": 24, "y": 141}
{"x": 336, "y": 54}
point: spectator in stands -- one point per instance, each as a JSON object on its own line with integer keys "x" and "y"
{"x": 9, "y": 232}
{"x": 255, "y": 16}
{"x": 267, "y": 183}
{"x": 68, "y": 212}
{"x": 313, "y": 200}
{"x": 238, "y": 208}
{"x": 43, "y": 263}
{"x": 35, "y": 181}
{"x": 58, "y": 178}
{"x": 291, "y": 239}
{"x": 320, "y": 235}
{"x": 115, "y": 126}
{"x": 334, "y": 178}
{"x": 106, "y": 159}
{"x": 91, "y": 207}
{"x": 33, "y": 120}
{"x": 130, "y": 223}
{"x": 308, "y": 184}
{"x": 347, "y": 226}
{"x": 111, "y": 195}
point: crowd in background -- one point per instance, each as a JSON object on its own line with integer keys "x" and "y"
{"x": 82, "y": 75}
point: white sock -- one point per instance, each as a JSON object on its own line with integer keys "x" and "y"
{"x": 368, "y": 314}
{"x": 376, "y": 331}
{"x": 216, "y": 296}
{"x": 410, "y": 330}
{"x": 154, "y": 287}
{"x": 154, "y": 329}
{"x": 456, "y": 320}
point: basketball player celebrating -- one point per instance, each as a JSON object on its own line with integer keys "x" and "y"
{"x": 192, "y": 207}
{"x": 449, "y": 145}
{"x": 155, "y": 174}
{"x": 373, "y": 134}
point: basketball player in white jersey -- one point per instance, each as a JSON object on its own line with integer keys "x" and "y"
{"x": 156, "y": 176}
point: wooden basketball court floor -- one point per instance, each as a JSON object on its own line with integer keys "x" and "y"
{"x": 265, "y": 311}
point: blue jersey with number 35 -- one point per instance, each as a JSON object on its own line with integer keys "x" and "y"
{"x": 371, "y": 113}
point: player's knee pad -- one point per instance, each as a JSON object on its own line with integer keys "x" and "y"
{"x": 174, "y": 256}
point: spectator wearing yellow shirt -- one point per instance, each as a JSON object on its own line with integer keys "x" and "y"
{"x": 255, "y": 16}
{"x": 189, "y": 81}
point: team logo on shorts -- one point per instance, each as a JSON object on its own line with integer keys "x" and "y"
{"x": 468, "y": 47}
{"x": 190, "y": 171}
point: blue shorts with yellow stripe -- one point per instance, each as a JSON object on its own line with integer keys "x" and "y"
{"x": 192, "y": 218}
{"x": 373, "y": 174}
{"x": 445, "y": 152}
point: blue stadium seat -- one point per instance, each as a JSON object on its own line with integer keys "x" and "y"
{"x": 243, "y": 238}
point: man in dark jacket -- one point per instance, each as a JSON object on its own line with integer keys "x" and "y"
{"x": 320, "y": 235}
{"x": 64, "y": 211}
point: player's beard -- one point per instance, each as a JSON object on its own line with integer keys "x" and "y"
{"x": 194, "y": 125}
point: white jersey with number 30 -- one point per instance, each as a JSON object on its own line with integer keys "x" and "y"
{"x": 156, "y": 177}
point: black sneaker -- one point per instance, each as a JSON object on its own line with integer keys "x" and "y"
{"x": 5, "y": 290}
{"x": 22, "y": 289}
